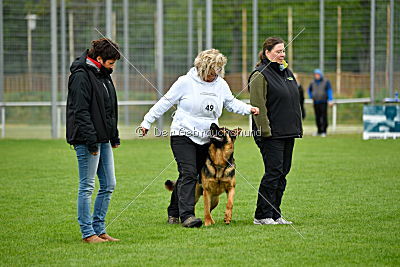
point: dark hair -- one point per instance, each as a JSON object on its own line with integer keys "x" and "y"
{"x": 268, "y": 44}
{"x": 104, "y": 48}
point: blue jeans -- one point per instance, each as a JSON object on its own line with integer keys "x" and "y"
{"x": 89, "y": 165}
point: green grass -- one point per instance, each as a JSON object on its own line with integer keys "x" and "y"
{"x": 343, "y": 195}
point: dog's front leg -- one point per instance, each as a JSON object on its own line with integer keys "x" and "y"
{"x": 208, "y": 220}
{"x": 229, "y": 205}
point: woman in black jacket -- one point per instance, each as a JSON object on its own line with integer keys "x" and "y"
{"x": 92, "y": 117}
{"x": 273, "y": 89}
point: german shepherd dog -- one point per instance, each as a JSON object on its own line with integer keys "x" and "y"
{"x": 217, "y": 174}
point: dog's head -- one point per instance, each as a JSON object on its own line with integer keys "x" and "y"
{"x": 223, "y": 136}
{"x": 222, "y": 139}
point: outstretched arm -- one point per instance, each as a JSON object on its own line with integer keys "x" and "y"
{"x": 163, "y": 105}
{"x": 232, "y": 104}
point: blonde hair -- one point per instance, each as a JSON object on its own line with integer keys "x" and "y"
{"x": 208, "y": 60}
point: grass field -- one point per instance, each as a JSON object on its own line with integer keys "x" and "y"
{"x": 343, "y": 195}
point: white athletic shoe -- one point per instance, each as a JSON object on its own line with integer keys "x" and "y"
{"x": 282, "y": 221}
{"x": 323, "y": 135}
{"x": 264, "y": 221}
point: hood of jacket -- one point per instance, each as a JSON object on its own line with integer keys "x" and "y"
{"x": 79, "y": 63}
{"x": 321, "y": 74}
{"x": 193, "y": 74}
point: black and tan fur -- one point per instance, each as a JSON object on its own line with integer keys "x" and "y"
{"x": 218, "y": 173}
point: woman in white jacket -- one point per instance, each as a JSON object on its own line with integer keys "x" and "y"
{"x": 200, "y": 96}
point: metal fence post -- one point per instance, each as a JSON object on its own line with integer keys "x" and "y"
{"x": 63, "y": 41}
{"x": 209, "y": 24}
{"x": 3, "y": 122}
{"x": 108, "y": 18}
{"x": 1, "y": 54}
{"x": 290, "y": 37}
{"x": 255, "y": 32}
{"x": 334, "y": 116}
{"x": 391, "y": 48}
{"x": 199, "y": 31}
{"x": 126, "y": 63}
{"x": 71, "y": 37}
{"x": 372, "y": 52}
{"x": 190, "y": 34}
{"x": 54, "y": 72}
{"x": 250, "y": 123}
{"x": 321, "y": 35}
{"x": 58, "y": 120}
{"x": 3, "y": 108}
{"x": 160, "y": 55}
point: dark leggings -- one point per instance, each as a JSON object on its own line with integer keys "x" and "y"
{"x": 190, "y": 158}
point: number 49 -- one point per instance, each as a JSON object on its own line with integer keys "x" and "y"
{"x": 209, "y": 107}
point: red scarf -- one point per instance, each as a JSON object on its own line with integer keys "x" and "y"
{"x": 98, "y": 64}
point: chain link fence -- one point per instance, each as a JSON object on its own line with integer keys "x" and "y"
{"x": 237, "y": 29}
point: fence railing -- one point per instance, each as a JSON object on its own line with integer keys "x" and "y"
{"x": 60, "y": 105}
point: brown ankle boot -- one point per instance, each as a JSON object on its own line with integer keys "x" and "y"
{"x": 108, "y": 238}
{"x": 94, "y": 239}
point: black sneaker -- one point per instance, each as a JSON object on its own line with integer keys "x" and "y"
{"x": 173, "y": 220}
{"x": 192, "y": 222}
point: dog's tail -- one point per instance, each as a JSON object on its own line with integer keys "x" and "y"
{"x": 170, "y": 185}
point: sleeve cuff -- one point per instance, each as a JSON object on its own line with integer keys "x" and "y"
{"x": 145, "y": 124}
{"x": 249, "y": 107}
{"x": 93, "y": 148}
{"x": 115, "y": 142}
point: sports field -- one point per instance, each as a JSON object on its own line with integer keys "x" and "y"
{"x": 343, "y": 195}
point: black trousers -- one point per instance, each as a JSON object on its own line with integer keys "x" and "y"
{"x": 277, "y": 157}
{"x": 321, "y": 116}
{"x": 190, "y": 158}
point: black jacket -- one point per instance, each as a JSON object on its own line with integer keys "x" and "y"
{"x": 92, "y": 109}
{"x": 282, "y": 101}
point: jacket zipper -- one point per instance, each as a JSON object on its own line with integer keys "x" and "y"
{"x": 105, "y": 87}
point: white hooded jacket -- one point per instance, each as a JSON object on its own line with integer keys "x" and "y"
{"x": 199, "y": 104}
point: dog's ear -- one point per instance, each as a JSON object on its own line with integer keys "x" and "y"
{"x": 235, "y": 132}
{"x": 214, "y": 127}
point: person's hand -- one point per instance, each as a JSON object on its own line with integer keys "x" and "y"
{"x": 255, "y": 111}
{"x": 115, "y": 146}
{"x": 144, "y": 131}
{"x": 330, "y": 103}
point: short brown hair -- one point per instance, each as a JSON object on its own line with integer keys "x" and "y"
{"x": 268, "y": 44}
{"x": 104, "y": 48}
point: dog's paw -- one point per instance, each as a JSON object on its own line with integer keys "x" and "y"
{"x": 228, "y": 217}
{"x": 209, "y": 222}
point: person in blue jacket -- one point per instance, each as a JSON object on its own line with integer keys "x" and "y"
{"x": 320, "y": 91}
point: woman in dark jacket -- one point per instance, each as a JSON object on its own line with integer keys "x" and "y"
{"x": 273, "y": 89}
{"x": 92, "y": 118}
